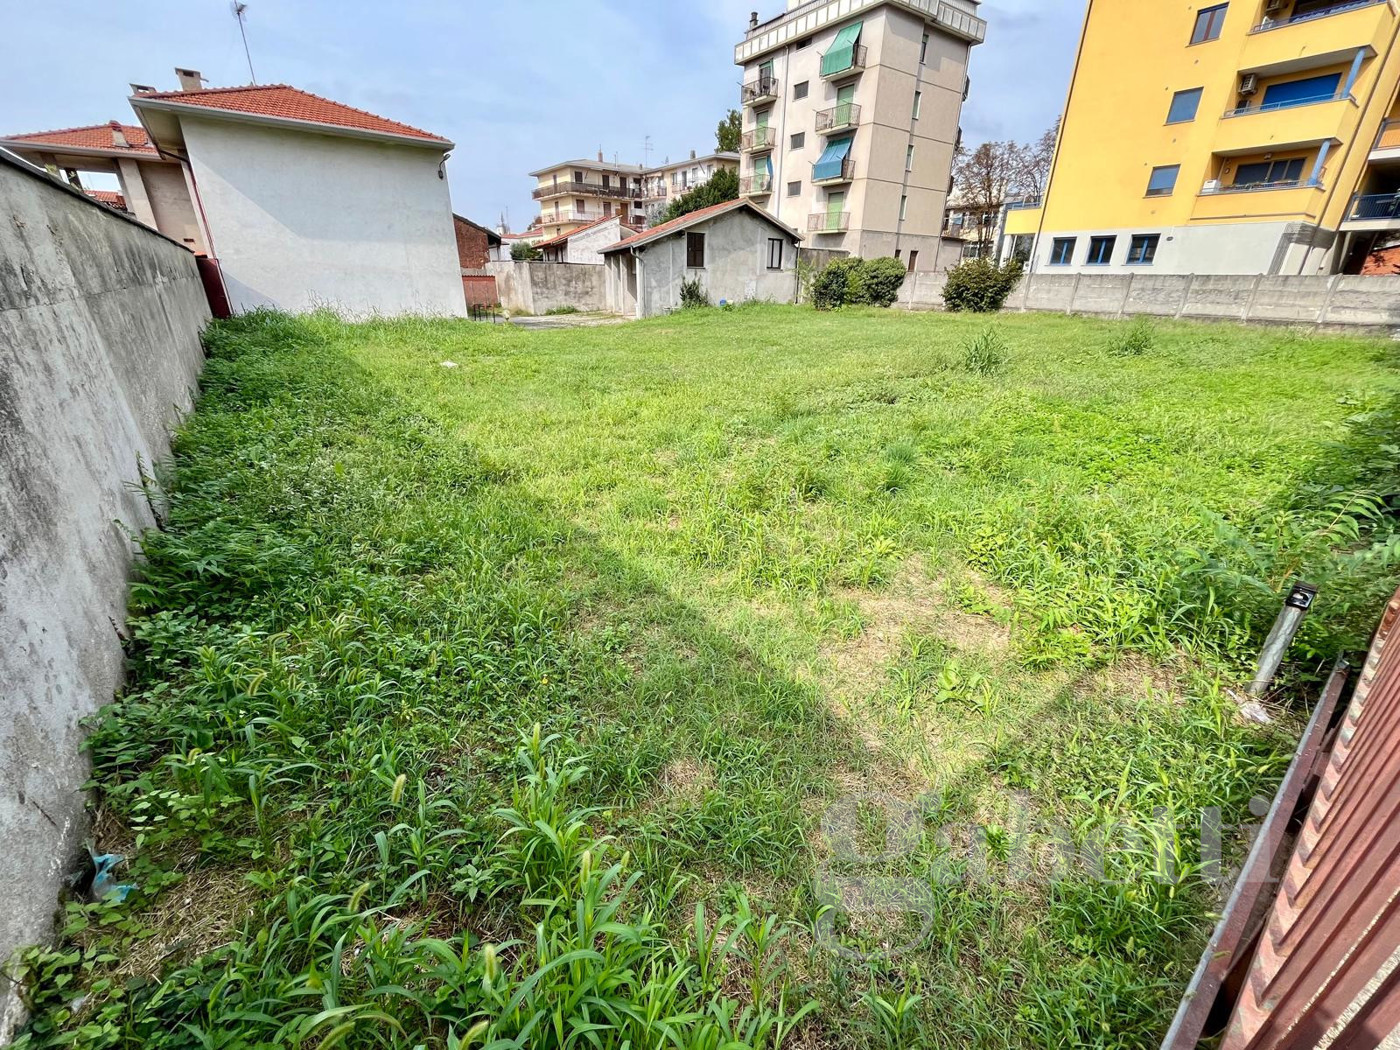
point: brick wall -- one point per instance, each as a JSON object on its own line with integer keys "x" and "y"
{"x": 473, "y": 246}
{"x": 1383, "y": 261}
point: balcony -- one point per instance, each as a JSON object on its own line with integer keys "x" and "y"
{"x": 1313, "y": 15}
{"x": 1292, "y": 127}
{"x": 588, "y": 189}
{"x": 829, "y": 222}
{"x": 842, "y": 118}
{"x": 1387, "y": 145}
{"x": 757, "y": 92}
{"x": 760, "y": 185}
{"x": 1275, "y": 107}
{"x": 1300, "y": 200}
{"x": 836, "y": 65}
{"x": 1214, "y": 188}
{"x": 758, "y": 140}
{"x": 846, "y": 173}
{"x": 1374, "y": 211}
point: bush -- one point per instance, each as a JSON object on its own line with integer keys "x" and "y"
{"x": 693, "y": 295}
{"x": 858, "y": 282}
{"x": 981, "y": 286}
{"x": 985, "y": 355}
{"x": 522, "y": 252}
{"x": 881, "y": 280}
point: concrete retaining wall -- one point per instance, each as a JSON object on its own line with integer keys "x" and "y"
{"x": 99, "y": 355}
{"x": 538, "y": 287}
{"x": 1369, "y": 302}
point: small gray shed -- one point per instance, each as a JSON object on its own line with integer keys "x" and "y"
{"x": 736, "y": 250}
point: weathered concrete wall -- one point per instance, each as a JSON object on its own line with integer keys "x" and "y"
{"x": 1371, "y": 302}
{"x": 99, "y": 354}
{"x": 538, "y": 287}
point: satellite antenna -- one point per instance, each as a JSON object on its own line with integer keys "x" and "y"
{"x": 238, "y": 8}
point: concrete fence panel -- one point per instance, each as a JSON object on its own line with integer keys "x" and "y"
{"x": 1365, "y": 301}
{"x": 1285, "y": 300}
{"x": 1156, "y": 295}
{"x": 538, "y": 287}
{"x": 1050, "y": 291}
{"x": 1106, "y": 295}
{"x": 100, "y": 354}
{"x": 1219, "y": 297}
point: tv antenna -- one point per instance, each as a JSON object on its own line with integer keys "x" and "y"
{"x": 239, "y": 8}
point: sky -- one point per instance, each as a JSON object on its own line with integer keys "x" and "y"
{"x": 517, "y": 84}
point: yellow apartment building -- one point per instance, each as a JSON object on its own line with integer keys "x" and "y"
{"x": 1255, "y": 136}
{"x": 578, "y": 192}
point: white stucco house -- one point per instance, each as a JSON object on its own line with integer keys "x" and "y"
{"x": 305, "y": 202}
{"x": 585, "y": 245}
{"x": 736, "y": 250}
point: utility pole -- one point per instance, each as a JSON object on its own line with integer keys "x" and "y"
{"x": 239, "y": 8}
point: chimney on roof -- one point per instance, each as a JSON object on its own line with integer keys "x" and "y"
{"x": 753, "y": 20}
{"x": 142, "y": 89}
{"x": 600, "y": 156}
{"x": 190, "y": 80}
{"x": 118, "y": 135}
{"x": 692, "y": 154}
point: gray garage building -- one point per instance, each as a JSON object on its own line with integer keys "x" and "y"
{"x": 736, "y": 250}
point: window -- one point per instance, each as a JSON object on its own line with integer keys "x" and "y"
{"x": 794, "y": 189}
{"x": 1143, "y": 249}
{"x": 1021, "y": 245}
{"x": 1302, "y": 92}
{"x": 1100, "y": 250}
{"x": 1269, "y": 173}
{"x": 607, "y": 181}
{"x": 1209, "y": 22}
{"x": 1162, "y": 182}
{"x": 799, "y": 140}
{"x": 800, "y": 90}
{"x": 695, "y": 251}
{"x": 775, "y": 253}
{"x": 578, "y": 176}
{"x": 913, "y": 260}
{"x": 918, "y": 103}
{"x": 1184, "y": 106}
{"x": 923, "y": 51}
{"x": 804, "y": 43}
{"x": 909, "y": 158}
{"x": 579, "y": 206}
{"x": 1062, "y": 251}
{"x": 903, "y": 208}
{"x": 607, "y": 210}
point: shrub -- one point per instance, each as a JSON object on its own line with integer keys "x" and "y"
{"x": 881, "y": 280}
{"x": 858, "y": 282}
{"x": 522, "y": 252}
{"x": 558, "y": 310}
{"x": 693, "y": 295}
{"x": 981, "y": 286}
{"x": 1136, "y": 339}
{"x": 985, "y": 355}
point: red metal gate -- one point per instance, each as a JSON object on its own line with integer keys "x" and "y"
{"x": 1322, "y": 949}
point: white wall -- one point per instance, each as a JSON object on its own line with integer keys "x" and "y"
{"x": 1227, "y": 248}
{"x": 303, "y": 220}
{"x": 584, "y": 247}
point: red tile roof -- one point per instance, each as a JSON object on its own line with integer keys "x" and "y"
{"x": 116, "y": 200}
{"x": 93, "y": 136}
{"x": 692, "y": 218}
{"x": 288, "y": 103}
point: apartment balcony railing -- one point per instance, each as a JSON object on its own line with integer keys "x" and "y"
{"x": 832, "y": 175}
{"x": 1292, "y": 103}
{"x": 829, "y": 222}
{"x": 1029, "y": 202}
{"x": 1211, "y": 189}
{"x": 1389, "y": 136}
{"x": 1314, "y": 15}
{"x": 836, "y": 65}
{"x": 588, "y": 189}
{"x": 764, "y": 89}
{"x": 1372, "y": 206}
{"x": 758, "y": 139}
{"x": 755, "y": 185}
{"x": 841, "y": 118}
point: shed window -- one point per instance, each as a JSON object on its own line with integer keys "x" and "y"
{"x": 775, "y": 253}
{"x": 695, "y": 251}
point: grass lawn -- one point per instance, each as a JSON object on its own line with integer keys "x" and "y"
{"x": 549, "y": 688}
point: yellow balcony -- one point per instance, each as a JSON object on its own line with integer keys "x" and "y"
{"x": 1263, "y": 203}
{"x": 1387, "y": 145}
{"x": 1320, "y": 38}
{"x": 1023, "y": 219}
{"x": 1256, "y": 131}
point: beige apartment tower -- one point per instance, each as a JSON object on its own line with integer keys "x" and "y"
{"x": 851, "y": 111}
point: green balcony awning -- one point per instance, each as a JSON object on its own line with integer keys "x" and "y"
{"x": 842, "y": 55}
{"x": 828, "y": 165}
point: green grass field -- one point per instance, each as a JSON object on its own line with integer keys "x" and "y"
{"x": 504, "y": 688}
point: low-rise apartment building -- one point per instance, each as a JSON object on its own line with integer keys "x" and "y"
{"x": 1250, "y": 137}
{"x": 851, "y": 112}
{"x": 663, "y": 184}
{"x": 578, "y": 192}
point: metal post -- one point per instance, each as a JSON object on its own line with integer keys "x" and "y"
{"x": 1290, "y": 619}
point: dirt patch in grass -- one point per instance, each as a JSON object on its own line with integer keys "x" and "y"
{"x": 687, "y": 779}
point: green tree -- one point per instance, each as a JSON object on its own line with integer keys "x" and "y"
{"x": 722, "y": 186}
{"x": 728, "y": 133}
{"x": 522, "y": 252}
